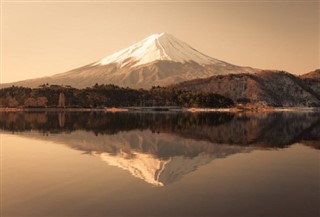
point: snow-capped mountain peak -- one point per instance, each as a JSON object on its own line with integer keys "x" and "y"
{"x": 158, "y": 60}
{"x": 161, "y": 46}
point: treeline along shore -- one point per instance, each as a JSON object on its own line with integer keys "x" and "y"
{"x": 104, "y": 96}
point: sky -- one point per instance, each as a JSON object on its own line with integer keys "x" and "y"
{"x": 42, "y": 38}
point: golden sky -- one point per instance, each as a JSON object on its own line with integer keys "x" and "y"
{"x": 45, "y": 38}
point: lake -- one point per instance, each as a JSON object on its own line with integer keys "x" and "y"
{"x": 160, "y": 164}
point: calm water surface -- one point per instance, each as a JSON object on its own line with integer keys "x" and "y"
{"x": 160, "y": 164}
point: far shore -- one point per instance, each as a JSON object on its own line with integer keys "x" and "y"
{"x": 165, "y": 109}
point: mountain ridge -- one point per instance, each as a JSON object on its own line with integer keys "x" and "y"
{"x": 273, "y": 88}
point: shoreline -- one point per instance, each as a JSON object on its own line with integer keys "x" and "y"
{"x": 166, "y": 109}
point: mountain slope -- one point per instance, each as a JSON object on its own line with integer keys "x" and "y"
{"x": 273, "y": 88}
{"x": 312, "y": 75}
{"x": 161, "y": 46}
{"x": 312, "y": 79}
{"x": 160, "y": 59}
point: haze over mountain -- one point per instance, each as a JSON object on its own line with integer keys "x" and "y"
{"x": 160, "y": 59}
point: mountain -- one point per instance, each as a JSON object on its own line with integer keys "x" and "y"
{"x": 313, "y": 80}
{"x": 273, "y": 88}
{"x": 312, "y": 75}
{"x": 160, "y": 59}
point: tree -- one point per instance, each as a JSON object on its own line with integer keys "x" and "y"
{"x": 12, "y": 102}
{"x": 30, "y": 102}
{"x": 42, "y": 101}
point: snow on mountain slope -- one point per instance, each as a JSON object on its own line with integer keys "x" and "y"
{"x": 161, "y": 46}
{"x": 161, "y": 59}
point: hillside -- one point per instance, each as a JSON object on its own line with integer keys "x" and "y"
{"x": 273, "y": 88}
{"x": 312, "y": 79}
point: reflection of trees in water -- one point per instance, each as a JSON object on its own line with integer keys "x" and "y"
{"x": 270, "y": 130}
{"x": 109, "y": 123}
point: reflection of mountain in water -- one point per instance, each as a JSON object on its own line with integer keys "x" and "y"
{"x": 158, "y": 159}
{"x": 158, "y": 172}
{"x": 269, "y": 130}
{"x": 162, "y": 148}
